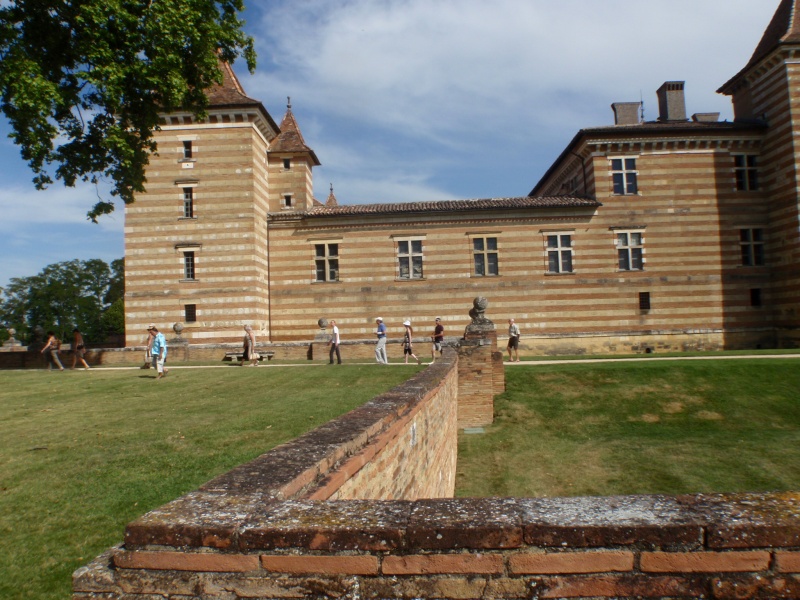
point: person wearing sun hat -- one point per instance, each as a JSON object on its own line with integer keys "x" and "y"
{"x": 380, "y": 349}
{"x": 407, "y": 344}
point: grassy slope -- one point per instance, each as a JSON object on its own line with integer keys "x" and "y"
{"x": 669, "y": 427}
{"x": 81, "y": 454}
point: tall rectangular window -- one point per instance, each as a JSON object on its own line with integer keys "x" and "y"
{"x": 409, "y": 259}
{"x": 624, "y": 176}
{"x": 746, "y": 171}
{"x": 188, "y": 265}
{"x": 630, "y": 251}
{"x": 559, "y": 253}
{"x": 326, "y": 262}
{"x": 484, "y": 253}
{"x": 190, "y": 313}
{"x": 188, "y": 202}
{"x": 644, "y": 300}
{"x": 187, "y": 149}
{"x": 751, "y": 242}
{"x": 287, "y": 201}
{"x": 287, "y": 164}
{"x": 755, "y": 297}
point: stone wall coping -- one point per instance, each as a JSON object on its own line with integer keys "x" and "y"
{"x": 258, "y": 522}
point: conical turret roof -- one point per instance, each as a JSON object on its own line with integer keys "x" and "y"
{"x": 290, "y": 139}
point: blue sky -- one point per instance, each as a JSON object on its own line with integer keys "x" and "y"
{"x": 410, "y": 100}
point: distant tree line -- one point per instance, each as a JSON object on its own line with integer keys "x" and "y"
{"x": 87, "y": 294}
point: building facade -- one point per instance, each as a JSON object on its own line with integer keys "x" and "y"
{"x": 676, "y": 234}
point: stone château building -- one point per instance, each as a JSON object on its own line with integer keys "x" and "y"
{"x": 679, "y": 233}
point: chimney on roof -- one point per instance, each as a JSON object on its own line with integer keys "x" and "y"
{"x": 705, "y": 117}
{"x": 671, "y": 102}
{"x": 626, "y": 113}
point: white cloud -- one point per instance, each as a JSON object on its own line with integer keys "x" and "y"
{"x": 25, "y": 208}
{"x": 414, "y": 90}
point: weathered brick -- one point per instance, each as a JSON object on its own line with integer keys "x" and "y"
{"x": 755, "y": 587}
{"x": 321, "y": 565}
{"x": 335, "y": 526}
{"x": 787, "y": 562}
{"x": 641, "y": 521}
{"x": 452, "y": 588}
{"x": 479, "y": 564}
{"x": 704, "y": 562}
{"x": 529, "y": 563}
{"x": 619, "y": 586}
{"x": 472, "y": 523}
{"x": 186, "y": 561}
{"x": 748, "y": 520}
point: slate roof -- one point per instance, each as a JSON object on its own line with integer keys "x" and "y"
{"x": 783, "y": 29}
{"x": 445, "y": 206}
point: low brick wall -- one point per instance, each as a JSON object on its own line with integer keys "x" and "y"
{"x": 359, "y": 508}
{"x": 723, "y": 547}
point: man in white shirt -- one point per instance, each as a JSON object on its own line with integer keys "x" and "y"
{"x": 335, "y": 343}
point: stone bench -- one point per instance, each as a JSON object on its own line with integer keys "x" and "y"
{"x": 237, "y": 356}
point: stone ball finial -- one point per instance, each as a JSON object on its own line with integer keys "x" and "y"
{"x": 177, "y": 328}
{"x": 323, "y": 323}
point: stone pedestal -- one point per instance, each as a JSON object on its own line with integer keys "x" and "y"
{"x": 481, "y": 374}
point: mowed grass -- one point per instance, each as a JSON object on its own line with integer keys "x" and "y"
{"x": 84, "y": 453}
{"x": 639, "y": 428}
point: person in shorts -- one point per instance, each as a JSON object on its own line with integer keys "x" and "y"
{"x": 78, "y": 349}
{"x": 513, "y": 340}
{"x": 437, "y": 338}
{"x": 408, "y": 346}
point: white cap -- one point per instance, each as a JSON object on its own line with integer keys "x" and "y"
{"x": 407, "y": 323}
{"x": 378, "y": 319}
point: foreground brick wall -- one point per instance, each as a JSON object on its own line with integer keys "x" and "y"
{"x": 736, "y": 546}
{"x": 358, "y": 509}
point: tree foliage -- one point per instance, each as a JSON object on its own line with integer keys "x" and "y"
{"x": 82, "y": 81}
{"x": 86, "y": 294}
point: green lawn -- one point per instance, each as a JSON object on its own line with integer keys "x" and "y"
{"x": 633, "y": 428}
{"x": 84, "y": 453}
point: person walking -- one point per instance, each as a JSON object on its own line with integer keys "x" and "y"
{"x": 78, "y": 349}
{"x": 407, "y": 343}
{"x": 437, "y": 338}
{"x": 334, "y": 343}
{"x": 51, "y": 347}
{"x": 158, "y": 349}
{"x": 380, "y": 349}
{"x": 513, "y": 339}
{"x": 148, "y": 358}
{"x": 249, "y": 347}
